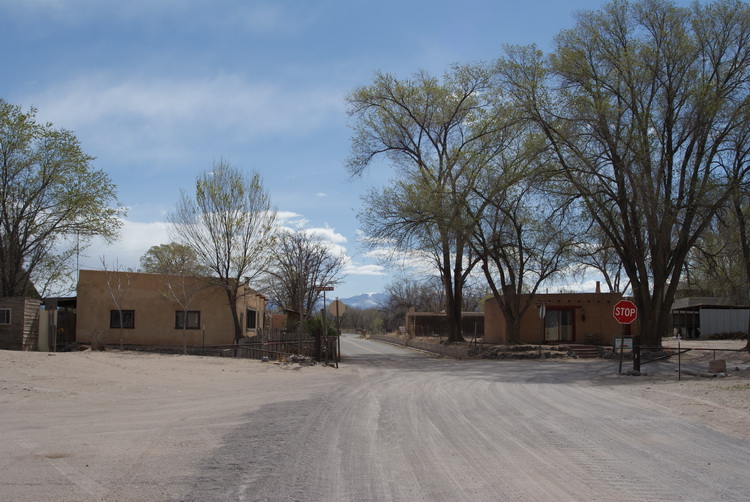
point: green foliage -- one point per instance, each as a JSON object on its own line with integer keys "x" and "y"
{"x": 645, "y": 106}
{"x": 50, "y": 192}
{"x": 439, "y": 134}
{"x": 172, "y": 259}
{"x": 314, "y": 327}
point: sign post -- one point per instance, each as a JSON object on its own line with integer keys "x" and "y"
{"x": 542, "y": 315}
{"x": 625, "y": 312}
{"x": 325, "y": 327}
{"x": 337, "y": 308}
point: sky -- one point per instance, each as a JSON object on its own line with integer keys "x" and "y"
{"x": 159, "y": 90}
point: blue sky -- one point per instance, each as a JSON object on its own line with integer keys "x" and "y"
{"x": 158, "y": 90}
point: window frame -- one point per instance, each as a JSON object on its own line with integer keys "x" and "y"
{"x": 251, "y": 315}
{"x": 127, "y": 315}
{"x": 6, "y": 320}
{"x": 178, "y": 318}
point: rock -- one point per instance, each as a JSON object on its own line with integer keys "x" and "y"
{"x": 717, "y": 366}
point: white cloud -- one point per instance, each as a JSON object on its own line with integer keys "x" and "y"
{"x": 354, "y": 269}
{"x": 290, "y": 220}
{"x": 164, "y": 119}
{"x": 135, "y": 239}
{"x": 327, "y": 234}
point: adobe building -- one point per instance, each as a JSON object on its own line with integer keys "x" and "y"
{"x": 585, "y": 318}
{"x": 150, "y": 318}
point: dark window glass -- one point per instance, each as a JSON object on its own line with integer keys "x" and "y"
{"x": 128, "y": 319}
{"x": 193, "y": 319}
{"x": 251, "y": 314}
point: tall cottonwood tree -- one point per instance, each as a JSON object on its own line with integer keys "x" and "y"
{"x": 640, "y": 102}
{"x": 229, "y": 223}
{"x": 435, "y": 134}
{"x": 49, "y": 192}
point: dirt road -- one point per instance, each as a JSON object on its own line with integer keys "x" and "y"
{"x": 389, "y": 424}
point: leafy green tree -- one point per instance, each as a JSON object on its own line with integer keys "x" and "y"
{"x": 50, "y": 195}
{"x": 437, "y": 133}
{"x": 229, "y": 223}
{"x": 642, "y": 104}
{"x": 173, "y": 258}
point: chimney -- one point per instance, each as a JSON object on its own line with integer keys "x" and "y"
{"x": 598, "y": 287}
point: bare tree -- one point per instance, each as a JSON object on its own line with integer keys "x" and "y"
{"x": 404, "y": 294}
{"x": 229, "y": 223}
{"x": 183, "y": 290}
{"x": 301, "y": 263}
{"x": 118, "y": 285}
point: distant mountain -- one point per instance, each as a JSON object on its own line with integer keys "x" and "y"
{"x": 365, "y": 301}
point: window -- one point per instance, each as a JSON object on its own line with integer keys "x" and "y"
{"x": 193, "y": 319}
{"x": 4, "y": 316}
{"x": 128, "y": 319}
{"x": 251, "y": 318}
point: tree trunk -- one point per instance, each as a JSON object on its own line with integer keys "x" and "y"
{"x": 232, "y": 297}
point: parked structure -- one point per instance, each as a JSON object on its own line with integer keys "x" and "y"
{"x": 567, "y": 318}
{"x": 701, "y": 317}
{"x": 436, "y": 323}
{"x": 150, "y": 318}
{"x": 19, "y": 323}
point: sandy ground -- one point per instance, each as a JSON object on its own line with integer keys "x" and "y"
{"x": 115, "y": 425}
{"x": 721, "y": 402}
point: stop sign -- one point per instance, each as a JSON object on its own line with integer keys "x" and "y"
{"x": 625, "y": 312}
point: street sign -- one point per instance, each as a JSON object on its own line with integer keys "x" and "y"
{"x": 625, "y": 312}
{"x": 323, "y": 288}
{"x": 337, "y": 308}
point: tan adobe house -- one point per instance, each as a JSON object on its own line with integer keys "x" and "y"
{"x": 149, "y": 317}
{"x": 568, "y": 318}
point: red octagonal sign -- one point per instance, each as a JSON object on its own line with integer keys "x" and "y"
{"x": 625, "y": 312}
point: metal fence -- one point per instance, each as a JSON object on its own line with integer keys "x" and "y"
{"x": 278, "y": 349}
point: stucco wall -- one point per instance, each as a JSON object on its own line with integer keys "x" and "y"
{"x": 154, "y": 315}
{"x": 592, "y": 316}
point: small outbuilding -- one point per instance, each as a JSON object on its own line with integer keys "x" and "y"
{"x": 436, "y": 323}
{"x": 702, "y": 317}
{"x": 19, "y": 323}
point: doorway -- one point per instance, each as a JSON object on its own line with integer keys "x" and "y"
{"x": 559, "y": 325}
